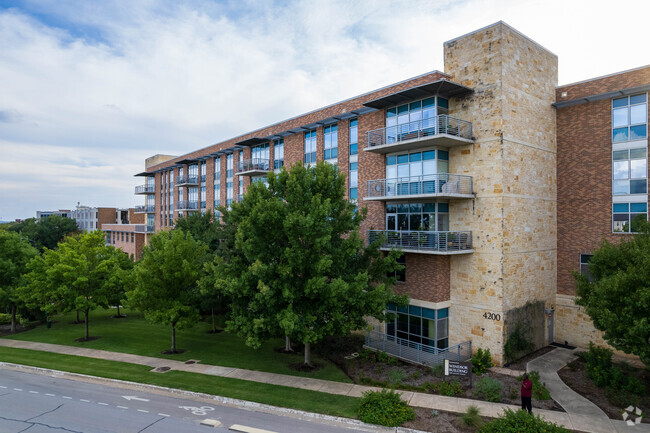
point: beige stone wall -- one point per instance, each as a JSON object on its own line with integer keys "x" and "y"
{"x": 575, "y": 327}
{"x": 513, "y": 218}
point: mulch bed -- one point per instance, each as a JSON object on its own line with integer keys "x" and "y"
{"x": 367, "y": 372}
{"x": 575, "y": 376}
{"x": 443, "y": 422}
{"x": 520, "y": 364}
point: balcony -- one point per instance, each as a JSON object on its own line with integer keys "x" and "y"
{"x": 187, "y": 180}
{"x": 425, "y": 242}
{"x": 145, "y": 209}
{"x": 187, "y": 205}
{"x": 441, "y": 185}
{"x": 441, "y": 130}
{"x": 253, "y": 167}
{"x": 143, "y": 228}
{"x": 414, "y": 352}
{"x": 145, "y": 189}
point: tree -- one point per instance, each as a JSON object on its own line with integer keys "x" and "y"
{"x": 166, "y": 279}
{"x": 75, "y": 276}
{"x": 618, "y": 297}
{"x": 202, "y": 227}
{"x": 15, "y": 254}
{"x": 47, "y": 232}
{"x": 120, "y": 280}
{"x": 299, "y": 266}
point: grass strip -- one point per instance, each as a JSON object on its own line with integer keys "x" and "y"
{"x": 276, "y": 395}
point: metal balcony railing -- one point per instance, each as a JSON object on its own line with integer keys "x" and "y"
{"x": 185, "y": 205}
{"x": 254, "y": 165}
{"x": 424, "y": 241}
{"x": 442, "y": 124}
{"x": 187, "y": 179}
{"x": 144, "y": 228}
{"x": 145, "y": 209}
{"x": 145, "y": 189}
{"x": 441, "y": 184}
{"x": 416, "y": 352}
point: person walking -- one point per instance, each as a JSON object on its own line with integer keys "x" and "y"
{"x": 526, "y": 394}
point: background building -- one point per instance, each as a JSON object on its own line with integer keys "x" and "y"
{"x": 460, "y": 170}
{"x": 65, "y": 213}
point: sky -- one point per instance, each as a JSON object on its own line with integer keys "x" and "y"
{"x": 89, "y": 89}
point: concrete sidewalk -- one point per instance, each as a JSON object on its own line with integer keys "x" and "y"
{"x": 580, "y": 422}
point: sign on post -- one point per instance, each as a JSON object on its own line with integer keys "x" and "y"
{"x": 458, "y": 368}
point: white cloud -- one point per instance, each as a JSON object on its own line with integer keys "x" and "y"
{"x": 119, "y": 81}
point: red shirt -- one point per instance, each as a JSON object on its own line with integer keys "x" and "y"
{"x": 526, "y": 388}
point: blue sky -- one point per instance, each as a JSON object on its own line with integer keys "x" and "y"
{"x": 89, "y": 89}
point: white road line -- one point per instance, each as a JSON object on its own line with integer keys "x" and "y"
{"x": 246, "y": 429}
{"x": 85, "y": 401}
{"x": 17, "y": 389}
{"x": 33, "y": 392}
{"x": 163, "y": 414}
{"x": 122, "y": 407}
{"x": 143, "y": 411}
{"x": 102, "y": 404}
{"x": 3, "y": 387}
{"x": 66, "y": 397}
{"x": 50, "y": 395}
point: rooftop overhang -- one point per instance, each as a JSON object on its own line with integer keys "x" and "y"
{"x": 187, "y": 161}
{"x": 444, "y": 88}
{"x": 252, "y": 141}
{"x": 601, "y": 96}
{"x": 144, "y": 174}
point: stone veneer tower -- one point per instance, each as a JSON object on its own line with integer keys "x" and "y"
{"x": 512, "y": 275}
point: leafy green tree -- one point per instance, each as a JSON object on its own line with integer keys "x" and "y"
{"x": 75, "y": 276}
{"x": 618, "y": 297}
{"x": 299, "y": 267}
{"x": 120, "y": 280}
{"x": 166, "y": 278}
{"x": 47, "y": 232}
{"x": 202, "y": 227}
{"x": 15, "y": 254}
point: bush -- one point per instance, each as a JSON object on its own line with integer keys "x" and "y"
{"x": 520, "y": 422}
{"x": 518, "y": 343}
{"x": 489, "y": 389}
{"x": 5, "y": 319}
{"x": 384, "y": 408}
{"x": 539, "y": 390}
{"x": 472, "y": 417}
{"x": 481, "y": 361}
{"x": 450, "y": 389}
{"x": 604, "y": 374}
{"x": 438, "y": 370}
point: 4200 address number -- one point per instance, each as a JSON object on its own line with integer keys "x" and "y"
{"x": 492, "y": 316}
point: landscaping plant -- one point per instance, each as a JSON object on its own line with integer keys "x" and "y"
{"x": 520, "y": 422}
{"x": 384, "y": 408}
{"x": 481, "y": 361}
{"x": 472, "y": 417}
{"x": 489, "y": 389}
{"x": 539, "y": 390}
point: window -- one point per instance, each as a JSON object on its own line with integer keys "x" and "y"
{"x": 260, "y": 152}
{"x": 132, "y": 237}
{"x": 354, "y": 180}
{"x": 415, "y": 172}
{"x": 202, "y": 197}
{"x": 310, "y": 147}
{"x": 400, "y": 275}
{"x": 278, "y": 153}
{"x": 628, "y": 216}
{"x": 415, "y": 116}
{"x": 192, "y": 198}
{"x": 217, "y": 182}
{"x": 203, "y": 170}
{"x": 629, "y": 118}
{"x": 331, "y": 143}
{"x": 240, "y": 190}
{"x": 217, "y": 169}
{"x": 229, "y": 166}
{"x": 584, "y": 265}
{"x": 193, "y": 172}
{"x": 419, "y": 325}
{"x": 229, "y": 180}
{"x": 431, "y": 216}
{"x": 630, "y": 171}
{"x": 354, "y": 136}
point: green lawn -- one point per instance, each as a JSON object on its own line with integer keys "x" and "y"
{"x": 135, "y": 335}
{"x": 312, "y": 401}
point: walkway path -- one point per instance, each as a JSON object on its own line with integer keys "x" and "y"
{"x": 579, "y": 422}
{"x": 582, "y": 412}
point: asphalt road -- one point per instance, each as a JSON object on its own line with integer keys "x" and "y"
{"x": 37, "y": 403}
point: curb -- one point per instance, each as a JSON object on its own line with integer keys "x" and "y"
{"x": 223, "y": 401}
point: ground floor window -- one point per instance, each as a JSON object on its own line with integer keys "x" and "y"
{"x": 419, "y": 326}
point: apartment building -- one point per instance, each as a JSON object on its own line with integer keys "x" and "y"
{"x": 65, "y": 213}
{"x": 460, "y": 170}
{"x": 91, "y": 218}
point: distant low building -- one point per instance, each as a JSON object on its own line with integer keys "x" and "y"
{"x": 65, "y": 213}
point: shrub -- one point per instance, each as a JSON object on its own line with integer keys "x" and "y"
{"x": 396, "y": 376}
{"x": 520, "y": 422}
{"x": 622, "y": 399}
{"x": 539, "y": 390}
{"x": 481, "y": 361}
{"x": 384, "y": 408}
{"x": 438, "y": 370}
{"x": 450, "y": 389}
{"x": 472, "y": 417}
{"x": 519, "y": 342}
{"x": 489, "y": 389}
{"x": 416, "y": 375}
{"x": 604, "y": 374}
